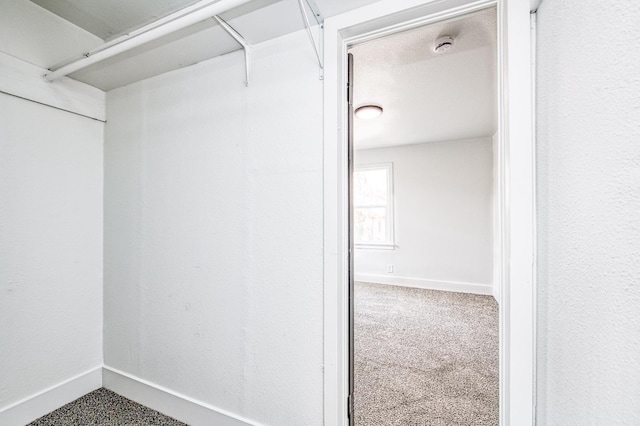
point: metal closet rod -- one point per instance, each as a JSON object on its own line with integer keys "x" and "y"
{"x": 183, "y": 18}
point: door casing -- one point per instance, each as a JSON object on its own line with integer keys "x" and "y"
{"x": 516, "y": 275}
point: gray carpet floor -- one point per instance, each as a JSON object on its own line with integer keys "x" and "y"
{"x": 424, "y": 357}
{"x": 105, "y": 408}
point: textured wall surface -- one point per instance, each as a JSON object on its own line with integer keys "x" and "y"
{"x": 213, "y": 233}
{"x": 50, "y": 247}
{"x": 442, "y": 212}
{"x": 589, "y": 212}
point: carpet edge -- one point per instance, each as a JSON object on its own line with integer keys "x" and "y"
{"x": 453, "y": 286}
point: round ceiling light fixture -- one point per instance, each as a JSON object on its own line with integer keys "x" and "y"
{"x": 367, "y": 112}
{"x": 443, "y": 44}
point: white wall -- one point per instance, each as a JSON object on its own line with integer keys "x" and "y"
{"x": 50, "y": 247}
{"x": 588, "y": 213}
{"x": 51, "y": 179}
{"x": 213, "y": 233}
{"x": 442, "y": 214}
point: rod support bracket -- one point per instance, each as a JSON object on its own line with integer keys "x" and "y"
{"x": 317, "y": 47}
{"x": 241, "y": 41}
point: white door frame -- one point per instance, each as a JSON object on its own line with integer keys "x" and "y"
{"x": 517, "y": 190}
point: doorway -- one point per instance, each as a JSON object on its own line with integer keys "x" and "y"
{"x": 423, "y": 200}
{"x": 516, "y": 203}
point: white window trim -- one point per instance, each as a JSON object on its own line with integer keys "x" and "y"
{"x": 389, "y": 244}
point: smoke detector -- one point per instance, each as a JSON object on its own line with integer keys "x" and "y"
{"x": 443, "y": 44}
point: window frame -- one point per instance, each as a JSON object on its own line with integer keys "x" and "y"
{"x": 389, "y": 243}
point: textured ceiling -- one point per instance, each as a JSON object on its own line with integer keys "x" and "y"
{"x": 427, "y": 96}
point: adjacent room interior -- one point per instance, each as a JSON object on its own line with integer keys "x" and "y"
{"x": 425, "y": 224}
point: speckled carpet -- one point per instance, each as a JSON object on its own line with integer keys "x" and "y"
{"x": 425, "y": 357}
{"x": 105, "y": 408}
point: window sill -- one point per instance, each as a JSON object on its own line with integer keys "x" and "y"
{"x": 373, "y": 246}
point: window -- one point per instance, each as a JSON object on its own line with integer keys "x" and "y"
{"x": 372, "y": 205}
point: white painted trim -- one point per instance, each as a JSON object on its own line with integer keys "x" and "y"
{"x": 374, "y": 246}
{"x": 454, "y": 286}
{"x": 169, "y": 402}
{"x": 517, "y": 325}
{"x": 389, "y": 244}
{"x": 24, "y": 80}
{"x": 37, "y": 405}
{"x": 517, "y": 293}
{"x": 495, "y": 292}
{"x": 534, "y": 255}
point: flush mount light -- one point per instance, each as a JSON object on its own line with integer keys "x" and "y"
{"x": 367, "y": 112}
{"x": 443, "y": 44}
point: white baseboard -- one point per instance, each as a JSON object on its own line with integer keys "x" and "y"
{"x": 495, "y": 293}
{"x": 159, "y": 398}
{"x": 459, "y": 287}
{"x": 181, "y": 407}
{"x": 43, "y": 402}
